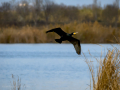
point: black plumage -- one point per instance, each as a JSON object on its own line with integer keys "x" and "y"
{"x": 66, "y": 36}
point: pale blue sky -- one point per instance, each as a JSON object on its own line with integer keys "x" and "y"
{"x": 83, "y": 2}
{"x": 77, "y": 2}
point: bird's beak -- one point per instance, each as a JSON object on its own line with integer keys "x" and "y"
{"x": 75, "y": 32}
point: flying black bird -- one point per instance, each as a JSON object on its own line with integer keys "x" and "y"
{"x": 66, "y": 36}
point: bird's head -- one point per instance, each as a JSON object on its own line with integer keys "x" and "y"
{"x": 75, "y": 33}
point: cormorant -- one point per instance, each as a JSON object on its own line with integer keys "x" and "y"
{"x": 67, "y": 36}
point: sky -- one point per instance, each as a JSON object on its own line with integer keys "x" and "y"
{"x": 77, "y": 2}
{"x": 84, "y": 2}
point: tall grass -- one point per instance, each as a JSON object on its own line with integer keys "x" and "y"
{"x": 108, "y": 74}
{"x": 16, "y": 84}
{"x": 87, "y": 33}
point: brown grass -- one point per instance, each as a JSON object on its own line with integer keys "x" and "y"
{"x": 87, "y": 33}
{"x": 22, "y": 35}
{"x": 108, "y": 75}
{"x": 109, "y": 72}
{"x": 16, "y": 84}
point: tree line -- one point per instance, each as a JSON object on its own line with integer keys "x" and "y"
{"x": 44, "y": 12}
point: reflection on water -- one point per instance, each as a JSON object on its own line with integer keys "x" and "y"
{"x": 47, "y": 66}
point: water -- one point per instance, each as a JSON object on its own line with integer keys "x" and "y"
{"x": 47, "y": 66}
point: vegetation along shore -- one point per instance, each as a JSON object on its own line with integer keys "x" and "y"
{"x": 87, "y": 33}
{"x": 23, "y": 22}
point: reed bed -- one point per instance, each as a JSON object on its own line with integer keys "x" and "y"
{"x": 87, "y": 33}
{"x": 108, "y": 74}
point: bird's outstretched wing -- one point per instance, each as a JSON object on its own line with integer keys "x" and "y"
{"x": 59, "y": 31}
{"x": 76, "y": 44}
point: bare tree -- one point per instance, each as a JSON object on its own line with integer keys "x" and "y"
{"x": 95, "y": 9}
{"x": 47, "y": 8}
{"x": 71, "y": 12}
{"x": 37, "y": 10}
{"x": 109, "y": 13}
{"x": 22, "y": 10}
{"x": 117, "y": 9}
{"x": 117, "y": 3}
{"x": 5, "y": 13}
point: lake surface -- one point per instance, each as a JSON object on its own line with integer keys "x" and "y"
{"x": 48, "y": 66}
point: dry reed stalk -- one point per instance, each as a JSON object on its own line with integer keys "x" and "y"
{"x": 109, "y": 71}
{"x": 16, "y": 84}
{"x": 108, "y": 74}
{"x": 87, "y": 33}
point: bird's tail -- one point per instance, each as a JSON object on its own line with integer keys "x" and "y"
{"x": 58, "y": 40}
